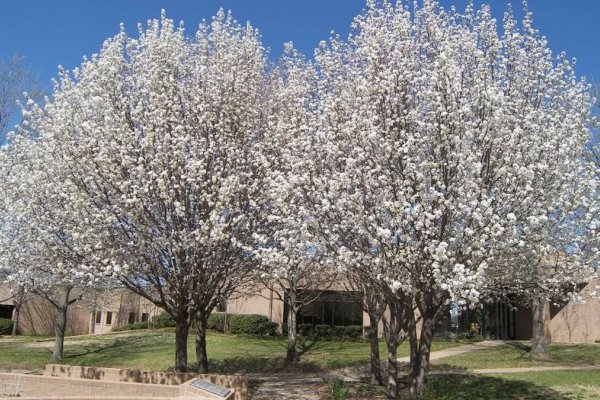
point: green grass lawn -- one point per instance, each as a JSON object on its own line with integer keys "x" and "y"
{"x": 574, "y": 384}
{"x": 155, "y": 349}
{"x": 515, "y": 355}
{"x": 547, "y": 385}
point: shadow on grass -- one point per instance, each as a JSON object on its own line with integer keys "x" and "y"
{"x": 120, "y": 347}
{"x": 519, "y": 346}
{"x": 466, "y": 387}
{"x": 270, "y": 364}
{"x": 260, "y": 364}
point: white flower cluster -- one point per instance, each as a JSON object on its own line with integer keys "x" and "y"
{"x": 427, "y": 149}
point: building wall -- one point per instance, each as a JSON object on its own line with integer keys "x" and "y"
{"x": 264, "y": 302}
{"x": 5, "y": 294}
{"x": 573, "y": 323}
{"x": 6, "y": 302}
{"x": 38, "y": 315}
{"x": 120, "y": 303}
{"x": 577, "y": 322}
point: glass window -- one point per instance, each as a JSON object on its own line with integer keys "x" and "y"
{"x": 145, "y": 317}
{"x": 6, "y": 311}
{"x": 98, "y": 317}
{"x": 131, "y": 318}
{"x": 109, "y": 318}
{"x": 331, "y": 308}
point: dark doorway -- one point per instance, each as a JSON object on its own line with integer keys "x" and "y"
{"x": 6, "y": 311}
{"x": 331, "y": 308}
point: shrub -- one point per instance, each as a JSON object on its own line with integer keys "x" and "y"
{"x": 337, "y": 388}
{"x": 307, "y": 330}
{"x": 218, "y": 321}
{"x": 324, "y": 331}
{"x": 252, "y": 324}
{"x": 132, "y": 327}
{"x": 472, "y": 337}
{"x": 445, "y": 335}
{"x": 163, "y": 320}
{"x": 353, "y": 331}
{"x": 327, "y": 331}
{"x": 6, "y": 325}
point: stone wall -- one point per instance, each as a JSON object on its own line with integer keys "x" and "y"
{"x": 239, "y": 383}
{"x": 29, "y": 386}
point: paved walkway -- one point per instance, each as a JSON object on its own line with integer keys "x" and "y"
{"x": 305, "y": 386}
{"x": 534, "y": 369}
{"x": 356, "y": 372}
{"x": 292, "y": 386}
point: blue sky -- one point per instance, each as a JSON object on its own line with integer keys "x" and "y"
{"x": 49, "y": 33}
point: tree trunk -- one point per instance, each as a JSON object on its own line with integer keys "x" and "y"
{"x": 392, "y": 386}
{"x": 376, "y": 378}
{"x": 16, "y": 313}
{"x": 538, "y": 339}
{"x": 201, "y": 355}
{"x": 60, "y": 327}
{"x": 60, "y": 324}
{"x": 182, "y": 329}
{"x": 292, "y": 353}
{"x": 420, "y": 368}
{"x": 412, "y": 337}
{"x": 483, "y": 328}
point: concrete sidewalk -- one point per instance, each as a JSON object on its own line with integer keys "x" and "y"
{"x": 305, "y": 386}
{"x": 535, "y": 369}
{"x": 356, "y": 372}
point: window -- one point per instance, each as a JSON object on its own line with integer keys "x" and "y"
{"x": 109, "y": 318}
{"x": 98, "y": 317}
{"x": 131, "y": 319}
{"x": 222, "y": 306}
{"x": 334, "y": 308}
{"x": 145, "y": 317}
{"x": 6, "y": 311}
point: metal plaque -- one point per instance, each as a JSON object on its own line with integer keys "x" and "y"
{"x": 211, "y": 388}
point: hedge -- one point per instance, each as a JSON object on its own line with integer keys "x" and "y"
{"x": 328, "y": 331}
{"x": 218, "y": 321}
{"x": 163, "y": 320}
{"x": 252, "y": 324}
{"x": 6, "y": 325}
{"x": 132, "y": 327}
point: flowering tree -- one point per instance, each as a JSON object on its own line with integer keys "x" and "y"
{"x": 292, "y": 260}
{"x": 554, "y": 215}
{"x": 41, "y": 247}
{"x": 372, "y": 296}
{"x": 156, "y": 138}
{"x": 441, "y": 143}
{"x": 15, "y": 79}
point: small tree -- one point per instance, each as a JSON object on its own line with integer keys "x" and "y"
{"x": 443, "y": 146}
{"x": 291, "y": 259}
{"x": 41, "y": 246}
{"x": 359, "y": 280}
{"x": 155, "y": 138}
